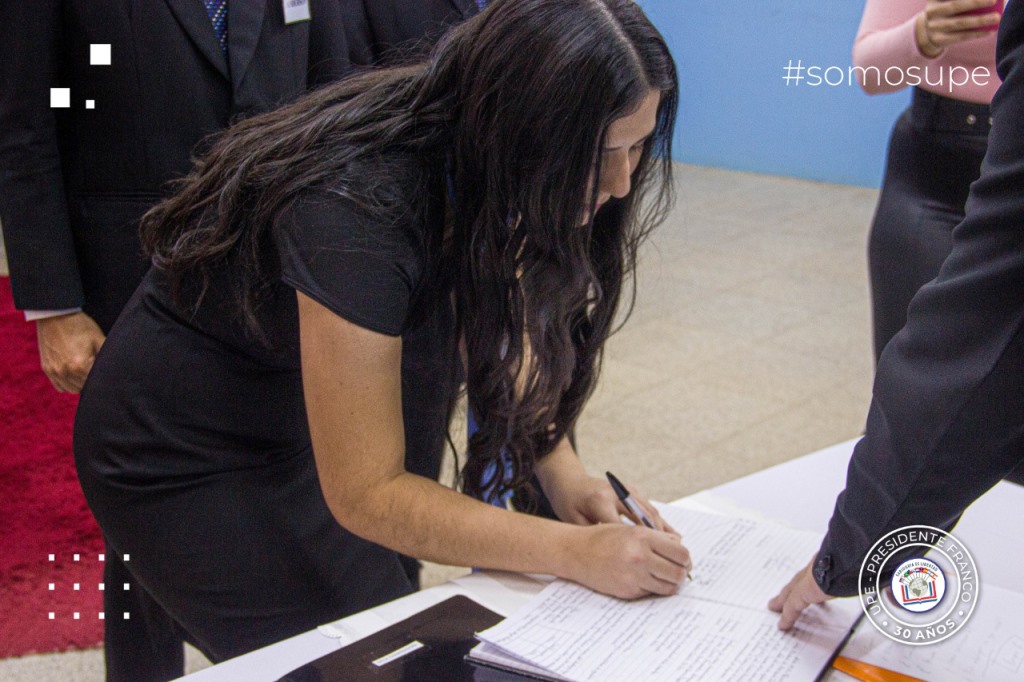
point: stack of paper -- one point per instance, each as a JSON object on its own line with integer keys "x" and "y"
{"x": 718, "y": 627}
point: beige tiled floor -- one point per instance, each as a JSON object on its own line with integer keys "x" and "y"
{"x": 749, "y": 345}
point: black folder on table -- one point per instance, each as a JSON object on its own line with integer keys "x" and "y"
{"x": 430, "y": 645}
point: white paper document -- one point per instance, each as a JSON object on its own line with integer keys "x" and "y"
{"x": 739, "y": 561}
{"x": 717, "y": 628}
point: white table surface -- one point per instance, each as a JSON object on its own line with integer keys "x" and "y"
{"x": 800, "y": 493}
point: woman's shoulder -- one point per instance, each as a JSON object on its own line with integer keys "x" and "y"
{"x": 358, "y": 244}
{"x": 383, "y": 190}
{"x": 381, "y": 208}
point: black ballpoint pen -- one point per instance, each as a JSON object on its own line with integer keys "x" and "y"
{"x": 628, "y": 501}
{"x": 631, "y": 504}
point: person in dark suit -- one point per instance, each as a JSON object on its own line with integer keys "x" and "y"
{"x": 75, "y": 181}
{"x": 386, "y": 31}
{"x": 945, "y": 424}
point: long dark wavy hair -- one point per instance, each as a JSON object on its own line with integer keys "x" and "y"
{"x": 507, "y": 118}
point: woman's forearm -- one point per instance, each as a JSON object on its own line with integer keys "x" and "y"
{"x": 419, "y": 517}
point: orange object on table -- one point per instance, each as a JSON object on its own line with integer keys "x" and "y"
{"x": 867, "y": 672}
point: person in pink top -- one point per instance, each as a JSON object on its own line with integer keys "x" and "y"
{"x": 945, "y": 50}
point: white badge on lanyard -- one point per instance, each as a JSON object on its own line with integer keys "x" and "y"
{"x": 295, "y": 11}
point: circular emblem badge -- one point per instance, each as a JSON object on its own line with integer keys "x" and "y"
{"x": 918, "y": 585}
{"x": 913, "y": 599}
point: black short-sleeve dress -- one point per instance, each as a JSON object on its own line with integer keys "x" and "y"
{"x": 191, "y": 438}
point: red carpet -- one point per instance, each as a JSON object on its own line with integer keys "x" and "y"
{"x": 42, "y": 510}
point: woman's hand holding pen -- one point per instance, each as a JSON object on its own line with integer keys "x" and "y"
{"x": 579, "y": 498}
{"x": 607, "y": 555}
{"x": 586, "y": 500}
{"x": 628, "y": 562}
{"x": 611, "y": 557}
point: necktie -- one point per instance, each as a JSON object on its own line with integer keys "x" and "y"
{"x": 218, "y": 13}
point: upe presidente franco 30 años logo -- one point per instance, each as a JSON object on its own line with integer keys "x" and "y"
{"x": 927, "y": 599}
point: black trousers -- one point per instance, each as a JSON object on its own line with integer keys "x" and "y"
{"x": 935, "y": 153}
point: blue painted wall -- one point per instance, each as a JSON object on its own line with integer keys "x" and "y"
{"x": 736, "y": 111}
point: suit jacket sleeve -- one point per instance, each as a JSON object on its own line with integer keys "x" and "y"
{"x": 33, "y": 209}
{"x": 946, "y": 421}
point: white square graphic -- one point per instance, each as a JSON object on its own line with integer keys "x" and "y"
{"x": 126, "y": 615}
{"x": 102, "y": 587}
{"x": 99, "y": 54}
{"x": 76, "y": 587}
{"x": 52, "y": 587}
{"x": 126, "y": 557}
{"x": 126, "y": 588}
{"x": 77, "y": 615}
{"x": 102, "y": 615}
{"x": 77, "y": 557}
{"x": 90, "y": 104}
{"x": 69, "y": 94}
{"x": 60, "y": 98}
{"x": 52, "y": 615}
{"x": 103, "y": 557}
